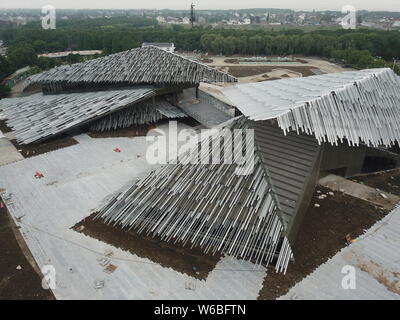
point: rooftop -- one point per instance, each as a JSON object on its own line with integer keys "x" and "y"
{"x": 356, "y": 105}
{"x": 149, "y": 65}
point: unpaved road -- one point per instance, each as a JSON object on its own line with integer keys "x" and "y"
{"x": 326, "y": 66}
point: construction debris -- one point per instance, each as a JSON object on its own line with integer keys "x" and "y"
{"x": 6, "y": 196}
{"x": 108, "y": 252}
{"x": 110, "y": 268}
{"x": 103, "y": 261}
{"x": 38, "y": 175}
{"x": 98, "y": 284}
{"x": 349, "y": 239}
{"x": 190, "y": 286}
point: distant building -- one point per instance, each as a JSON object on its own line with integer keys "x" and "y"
{"x": 161, "y": 19}
{"x": 172, "y": 20}
{"x": 166, "y": 46}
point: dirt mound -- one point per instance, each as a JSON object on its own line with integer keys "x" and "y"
{"x": 191, "y": 261}
{"x": 388, "y": 181}
{"x": 22, "y": 283}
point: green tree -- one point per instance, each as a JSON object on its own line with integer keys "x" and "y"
{"x": 21, "y": 56}
{"x": 5, "y": 68}
{"x": 229, "y": 46}
{"x": 39, "y": 46}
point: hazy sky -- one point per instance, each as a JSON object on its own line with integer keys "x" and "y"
{"x": 389, "y": 5}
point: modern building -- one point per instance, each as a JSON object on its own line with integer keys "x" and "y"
{"x": 133, "y": 87}
{"x": 302, "y": 127}
{"x": 166, "y": 46}
{"x": 294, "y": 130}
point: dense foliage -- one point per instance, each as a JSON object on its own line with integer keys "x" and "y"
{"x": 361, "y": 48}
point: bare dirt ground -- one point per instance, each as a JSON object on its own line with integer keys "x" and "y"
{"x": 192, "y": 262}
{"x": 3, "y": 127}
{"x": 257, "y": 70}
{"x": 249, "y": 74}
{"x": 388, "y": 181}
{"x": 133, "y": 131}
{"x": 324, "y": 231}
{"x": 246, "y": 71}
{"x": 324, "y": 65}
{"x": 23, "y": 283}
{"x": 34, "y": 149}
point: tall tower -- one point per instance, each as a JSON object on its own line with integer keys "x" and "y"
{"x": 192, "y": 16}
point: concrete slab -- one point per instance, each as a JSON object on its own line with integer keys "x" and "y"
{"x": 202, "y": 111}
{"x": 8, "y": 153}
{"x": 77, "y": 180}
{"x": 377, "y": 197}
{"x": 372, "y": 261}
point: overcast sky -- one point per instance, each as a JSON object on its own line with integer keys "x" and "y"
{"x": 388, "y": 5}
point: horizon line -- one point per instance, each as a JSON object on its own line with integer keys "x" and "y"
{"x": 205, "y": 9}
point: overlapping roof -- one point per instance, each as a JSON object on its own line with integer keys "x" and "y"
{"x": 134, "y": 75}
{"x": 356, "y": 105}
{"x": 211, "y": 206}
{"x": 145, "y": 112}
{"x": 36, "y": 117}
{"x": 149, "y": 65}
{"x": 205, "y": 205}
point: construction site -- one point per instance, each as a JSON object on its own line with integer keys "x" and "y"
{"x": 79, "y": 196}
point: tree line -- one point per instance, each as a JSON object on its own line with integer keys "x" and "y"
{"x": 361, "y": 48}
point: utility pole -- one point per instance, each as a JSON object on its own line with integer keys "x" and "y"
{"x": 192, "y": 17}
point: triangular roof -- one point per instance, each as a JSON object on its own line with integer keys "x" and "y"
{"x": 246, "y": 214}
{"x": 146, "y": 65}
